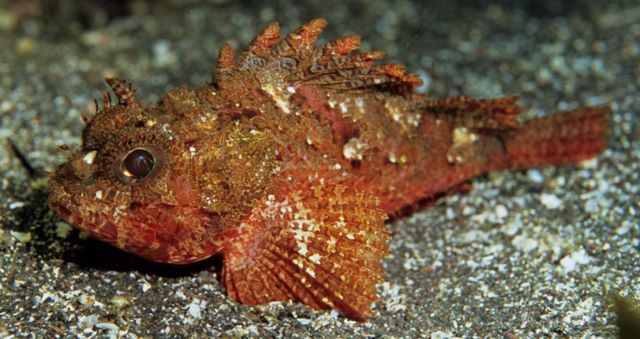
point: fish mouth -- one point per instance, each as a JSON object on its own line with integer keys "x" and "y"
{"x": 97, "y": 224}
{"x": 76, "y": 202}
{"x": 103, "y": 227}
{"x": 124, "y": 229}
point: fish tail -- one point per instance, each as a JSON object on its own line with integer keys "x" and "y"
{"x": 564, "y": 137}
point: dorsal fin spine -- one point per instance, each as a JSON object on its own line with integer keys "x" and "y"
{"x": 295, "y": 60}
{"x": 122, "y": 89}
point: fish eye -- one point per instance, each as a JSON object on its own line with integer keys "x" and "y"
{"x": 138, "y": 163}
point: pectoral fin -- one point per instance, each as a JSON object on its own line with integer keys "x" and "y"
{"x": 320, "y": 245}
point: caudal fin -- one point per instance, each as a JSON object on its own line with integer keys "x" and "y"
{"x": 564, "y": 137}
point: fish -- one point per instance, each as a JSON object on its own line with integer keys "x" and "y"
{"x": 290, "y": 162}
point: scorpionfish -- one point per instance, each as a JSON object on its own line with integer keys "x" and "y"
{"x": 289, "y": 162}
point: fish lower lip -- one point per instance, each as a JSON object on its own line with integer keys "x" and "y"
{"x": 66, "y": 211}
{"x": 97, "y": 225}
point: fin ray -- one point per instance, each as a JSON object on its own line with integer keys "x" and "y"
{"x": 296, "y": 60}
{"x": 479, "y": 114}
{"x": 321, "y": 243}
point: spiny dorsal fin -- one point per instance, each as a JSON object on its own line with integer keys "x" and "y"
{"x": 295, "y": 60}
{"x": 122, "y": 89}
{"x": 225, "y": 60}
{"x": 106, "y": 100}
{"x": 262, "y": 44}
{"x": 300, "y": 42}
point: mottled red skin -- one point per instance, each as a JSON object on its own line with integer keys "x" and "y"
{"x": 289, "y": 162}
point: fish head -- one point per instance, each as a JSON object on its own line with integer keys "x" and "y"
{"x": 164, "y": 181}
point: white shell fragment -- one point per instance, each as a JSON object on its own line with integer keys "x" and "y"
{"x": 354, "y": 149}
{"x": 462, "y": 136}
{"x": 462, "y": 139}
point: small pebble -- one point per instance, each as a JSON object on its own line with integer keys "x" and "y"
{"x": 63, "y": 229}
{"x": 304, "y": 321}
{"x": 16, "y": 204}
{"x": 524, "y": 243}
{"x": 550, "y": 201}
{"x": 501, "y": 211}
{"x": 570, "y": 262}
{"x": 535, "y": 175}
{"x": 23, "y": 237}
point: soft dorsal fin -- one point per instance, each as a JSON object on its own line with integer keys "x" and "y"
{"x": 295, "y": 60}
{"x": 497, "y": 114}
